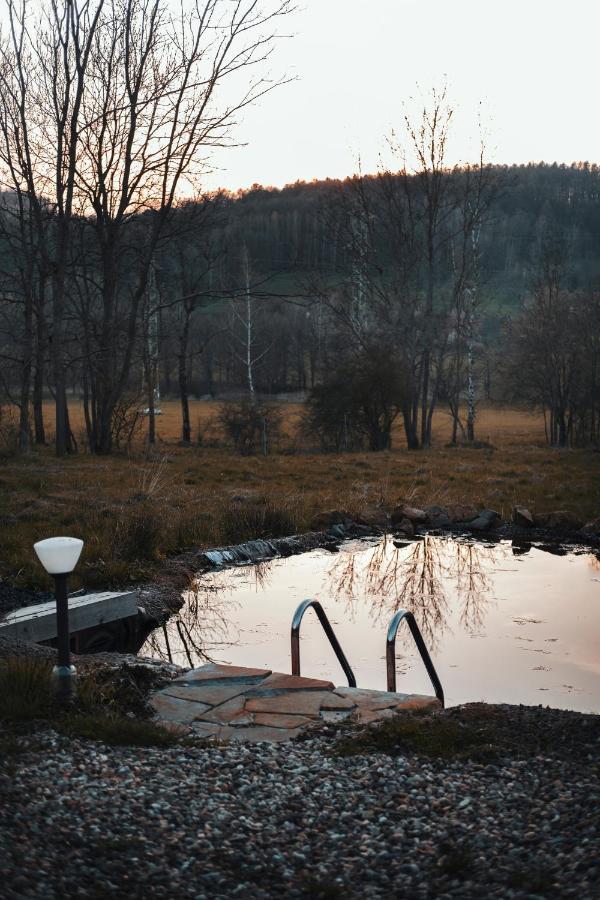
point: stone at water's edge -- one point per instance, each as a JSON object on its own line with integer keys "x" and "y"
{"x": 214, "y": 672}
{"x": 462, "y": 513}
{"x": 485, "y": 520}
{"x": 592, "y": 527}
{"x": 235, "y": 703}
{"x": 560, "y": 519}
{"x": 321, "y": 521}
{"x": 521, "y": 516}
{"x": 406, "y": 527}
{"x": 374, "y": 517}
{"x": 408, "y": 512}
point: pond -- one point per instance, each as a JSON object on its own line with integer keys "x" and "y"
{"x": 503, "y": 623}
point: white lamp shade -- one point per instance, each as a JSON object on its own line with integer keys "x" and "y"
{"x": 59, "y": 555}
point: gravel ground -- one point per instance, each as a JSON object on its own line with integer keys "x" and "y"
{"x": 83, "y": 820}
{"x": 14, "y": 598}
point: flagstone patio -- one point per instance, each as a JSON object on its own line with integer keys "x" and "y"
{"x": 234, "y": 703}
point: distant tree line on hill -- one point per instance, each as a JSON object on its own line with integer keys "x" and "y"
{"x": 260, "y": 293}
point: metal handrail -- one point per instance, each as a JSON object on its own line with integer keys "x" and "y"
{"x": 390, "y": 653}
{"x": 296, "y": 621}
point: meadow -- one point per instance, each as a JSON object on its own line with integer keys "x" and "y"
{"x": 136, "y": 508}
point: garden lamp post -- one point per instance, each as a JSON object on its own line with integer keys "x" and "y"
{"x": 59, "y": 556}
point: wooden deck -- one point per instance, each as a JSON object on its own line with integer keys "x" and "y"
{"x": 38, "y": 623}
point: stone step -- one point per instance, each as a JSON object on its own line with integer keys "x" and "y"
{"x": 236, "y": 703}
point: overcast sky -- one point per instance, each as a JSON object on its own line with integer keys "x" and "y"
{"x": 531, "y": 66}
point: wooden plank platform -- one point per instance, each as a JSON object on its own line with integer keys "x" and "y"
{"x": 38, "y": 623}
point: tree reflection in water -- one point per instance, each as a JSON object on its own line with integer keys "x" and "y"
{"x": 202, "y": 627}
{"x": 199, "y": 628}
{"x": 418, "y": 581}
{"x": 426, "y": 577}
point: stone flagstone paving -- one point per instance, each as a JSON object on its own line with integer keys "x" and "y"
{"x": 235, "y": 703}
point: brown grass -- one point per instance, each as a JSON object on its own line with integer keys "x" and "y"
{"x": 499, "y": 426}
{"x": 134, "y": 510}
{"x": 100, "y": 710}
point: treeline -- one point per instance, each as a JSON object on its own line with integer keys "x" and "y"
{"x": 380, "y": 297}
{"x": 285, "y": 230}
{"x": 339, "y": 294}
{"x": 244, "y": 294}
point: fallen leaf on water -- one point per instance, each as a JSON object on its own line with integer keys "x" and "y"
{"x": 524, "y": 621}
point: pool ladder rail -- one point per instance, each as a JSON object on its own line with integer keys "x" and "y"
{"x": 390, "y": 648}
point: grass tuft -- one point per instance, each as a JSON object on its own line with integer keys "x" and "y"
{"x": 427, "y": 735}
{"x": 25, "y": 689}
{"x": 108, "y": 706}
{"x": 117, "y": 730}
{"x": 263, "y": 518}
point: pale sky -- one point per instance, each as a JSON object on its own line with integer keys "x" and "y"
{"x": 530, "y": 65}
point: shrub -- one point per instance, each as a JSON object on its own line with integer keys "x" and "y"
{"x": 140, "y": 533}
{"x": 104, "y": 707}
{"x": 358, "y": 402}
{"x": 251, "y": 426}
{"x": 127, "y": 420}
{"x": 208, "y": 433}
{"x": 25, "y": 689}
{"x": 425, "y": 734}
{"x": 248, "y": 521}
{"x": 9, "y": 431}
{"x": 335, "y": 429}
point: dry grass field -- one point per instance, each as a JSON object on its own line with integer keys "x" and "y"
{"x": 499, "y": 426}
{"x": 135, "y": 509}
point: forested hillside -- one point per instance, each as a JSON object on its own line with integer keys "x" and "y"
{"x": 286, "y": 230}
{"x": 263, "y": 292}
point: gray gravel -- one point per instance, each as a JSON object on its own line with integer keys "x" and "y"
{"x": 81, "y": 820}
{"x": 14, "y": 598}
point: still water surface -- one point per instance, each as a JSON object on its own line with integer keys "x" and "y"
{"x": 502, "y": 625}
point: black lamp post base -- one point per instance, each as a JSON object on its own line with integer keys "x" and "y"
{"x": 64, "y": 672}
{"x": 65, "y": 682}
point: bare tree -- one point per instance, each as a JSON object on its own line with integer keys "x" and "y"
{"x": 114, "y": 107}
{"x": 554, "y": 351}
{"x": 410, "y": 280}
{"x": 429, "y": 142}
{"x": 477, "y": 187}
{"x": 44, "y": 59}
{"x": 244, "y": 326}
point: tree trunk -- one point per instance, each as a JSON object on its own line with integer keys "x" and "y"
{"x": 38, "y": 378}
{"x": 470, "y": 392}
{"x": 249, "y": 335}
{"x": 424, "y": 397}
{"x": 59, "y": 369}
{"x": 103, "y": 428}
{"x": 182, "y": 375}
{"x": 86, "y": 410}
{"x": 151, "y": 412}
{"x": 410, "y": 427}
{"x": 25, "y": 392}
